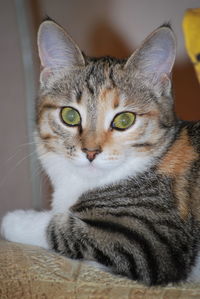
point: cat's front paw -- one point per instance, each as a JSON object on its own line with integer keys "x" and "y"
{"x": 10, "y": 225}
{"x": 27, "y": 227}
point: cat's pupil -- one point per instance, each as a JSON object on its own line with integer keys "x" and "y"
{"x": 71, "y": 115}
{"x": 125, "y": 120}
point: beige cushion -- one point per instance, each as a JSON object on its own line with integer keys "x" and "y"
{"x": 33, "y": 272}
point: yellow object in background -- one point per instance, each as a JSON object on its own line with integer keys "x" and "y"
{"x": 191, "y": 29}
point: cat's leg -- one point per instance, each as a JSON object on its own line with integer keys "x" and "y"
{"x": 75, "y": 238}
{"x": 103, "y": 239}
{"x": 28, "y": 227}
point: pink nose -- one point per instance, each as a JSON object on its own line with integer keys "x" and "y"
{"x": 91, "y": 153}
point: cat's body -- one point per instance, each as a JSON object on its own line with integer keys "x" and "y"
{"x": 125, "y": 171}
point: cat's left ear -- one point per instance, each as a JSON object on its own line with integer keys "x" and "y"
{"x": 154, "y": 60}
{"x": 57, "y": 50}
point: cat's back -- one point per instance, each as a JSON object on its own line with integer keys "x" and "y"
{"x": 193, "y": 129}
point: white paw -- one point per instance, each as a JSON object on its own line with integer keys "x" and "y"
{"x": 10, "y": 224}
{"x": 28, "y": 227}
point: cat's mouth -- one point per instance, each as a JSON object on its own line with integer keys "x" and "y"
{"x": 96, "y": 165}
{"x": 91, "y": 169}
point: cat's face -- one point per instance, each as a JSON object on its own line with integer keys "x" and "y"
{"x": 100, "y": 114}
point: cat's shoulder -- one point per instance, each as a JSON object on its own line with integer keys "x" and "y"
{"x": 183, "y": 151}
{"x": 193, "y": 133}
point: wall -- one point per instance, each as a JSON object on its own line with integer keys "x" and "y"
{"x": 15, "y": 184}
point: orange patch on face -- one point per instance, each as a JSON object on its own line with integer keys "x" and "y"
{"x": 93, "y": 140}
{"x": 111, "y": 96}
{"x": 106, "y": 138}
{"x": 45, "y": 105}
{"x": 151, "y": 114}
{"x": 89, "y": 140}
{"x": 47, "y": 136}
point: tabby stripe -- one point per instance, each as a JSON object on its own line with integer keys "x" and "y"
{"x": 132, "y": 264}
{"x": 105, "y": 260}
{"x": 83, "y": 206}
{"x": 132, "y": 236}
{"x": 194, "y": 173}
{"x": 78, "y": 253}
{"x": 89, "y": 87}
{"x": 79, "y": 96}
{"x": 177, "y": 226}
{"x": 53, "y": 239}
{"x": 57, "y": 130}
{"x": 142, "y": 144}
{"x": 174, "y": 253}
{"x": 144, "y": 219}
{"x": 75, "y": 243}
{"x": 111, "y": 77}
{"x": 134, "y": 191}
{"x": 99, "y": 255}
{"x": 111, "y": 197}
{"x": 102, "y": 258}
{"x": 110, "y": 192}
{"x": 68, "y": 250}
{"x": 50, "y": 106}
{"x": 74, "y": 252}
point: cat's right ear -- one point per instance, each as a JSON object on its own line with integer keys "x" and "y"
{"x": 57, "y": 50}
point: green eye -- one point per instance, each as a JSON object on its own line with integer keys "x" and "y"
{"x": 123, "y": 121}
{"x": 70, "y": 116}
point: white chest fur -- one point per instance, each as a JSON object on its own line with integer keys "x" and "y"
{"x": 70, "y": 181}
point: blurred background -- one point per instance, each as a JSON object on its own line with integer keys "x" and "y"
{"x": 100, "y": 27}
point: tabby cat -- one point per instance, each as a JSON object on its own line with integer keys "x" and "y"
{"x": 125, "y": 170}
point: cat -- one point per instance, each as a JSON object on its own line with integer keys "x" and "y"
{"x": 125, "y": 170}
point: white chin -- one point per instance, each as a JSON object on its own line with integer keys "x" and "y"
{"x": 94, "y": 168}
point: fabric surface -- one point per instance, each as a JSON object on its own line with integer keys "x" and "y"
{"x": 32, "y": 272}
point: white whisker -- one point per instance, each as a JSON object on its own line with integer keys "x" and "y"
{"x": 14, "y": 155}
{"x": 15, "y": 167}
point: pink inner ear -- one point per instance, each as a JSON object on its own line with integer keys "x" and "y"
{"x": 56, "y": 48}
{"x": 45, "y": 74}
{"x": 53, "y": 53}
{"x": 156, "y": 55}
{"x": 44, "y": 56}
{"x": 159, "y": 53}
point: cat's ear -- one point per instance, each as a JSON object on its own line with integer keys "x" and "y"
{"x": 57, "y": 50}
{"x": 155, "y": 58}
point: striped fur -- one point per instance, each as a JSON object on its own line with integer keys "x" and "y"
{"x": 135, "y": 228}
{"x": 135, "y": 208}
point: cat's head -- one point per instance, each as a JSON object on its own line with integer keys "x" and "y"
{"x": 100, "y": 114}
